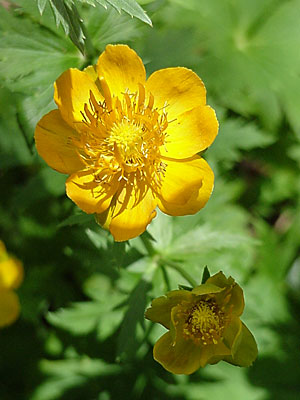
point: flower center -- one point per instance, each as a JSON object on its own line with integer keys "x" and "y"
{"x": 123, "y": 135}
{"x": 127, "y": 142}
{"x": 205, "y": 323}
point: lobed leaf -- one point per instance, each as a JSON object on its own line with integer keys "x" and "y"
{"x": 131, "y": 7}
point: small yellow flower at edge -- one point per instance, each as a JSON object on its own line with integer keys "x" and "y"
{"x": 129, "y": 144}
{"x": 204, "y": 327}
{"x": 11, "y": 276}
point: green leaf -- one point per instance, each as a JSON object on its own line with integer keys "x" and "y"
{"x": 41, "y": 5}
{"x": 214, "y": 382}
{"x": 80, "y": 319}
{"x": 236, "y": 136}
{"x": 30, "y": 60}
{"x": 92, "y": 2}
{"x": 205, "y": 275}
{"x": 131, "y": 7}
{"x": 15, "y": 148}
{"x": 110, "y": 26}
{"x": 206, "y": 237}
{"x": 45, "y": 183}
{"x": 127, "y": 340}
{"x": 67, "y": 15}
{"x": 247, "y": 54}
{"x": 82, "y": 366}
{"x": 184, "y": 287}
{"x": 80, "y": 218}
{"x": 64, "y": 375}
{"x": 85, "y": 317}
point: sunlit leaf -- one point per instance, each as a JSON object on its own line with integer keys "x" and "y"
{"x": 28, "y": 59}
{"x": 67, "y": 15}
{"x": 131, "y": 7}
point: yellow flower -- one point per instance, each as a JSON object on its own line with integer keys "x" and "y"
{"x": 204, "y": 327}
{"x": 11, "y": 276}
{"x": 129, "y": 144}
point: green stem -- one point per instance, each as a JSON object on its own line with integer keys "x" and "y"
{"x": 166, "y": 277}
{"x": 182, "y": 272}
{"x": 148, "y": 245}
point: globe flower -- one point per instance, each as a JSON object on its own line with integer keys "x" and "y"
{"x": 11, "y": 276}
{"x": 204, "y": 327}
{"x": 129, "y": 144}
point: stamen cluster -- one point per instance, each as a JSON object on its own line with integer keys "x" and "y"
{"x": 121, "y": 137}
{"x": 205, "y": 322}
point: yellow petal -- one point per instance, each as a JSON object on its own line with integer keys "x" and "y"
{"x": 220, "y": 280}
{"x": 178, "y": 88}
{"x": 244, "y": 348}
{"x": 90, "y": 196}
{"x": 231, "y": 333}
{"x": 160, "y": 310}
{"x": 186, "y": 187}
{"x": 11, "y": 273}
{"x": 182, "y": 358}
{"x": 71, "y": 92}
{"x": 192, "y": 132}
{"x": 54, "y": 143}
{"x": 9, "y": 307}
{"x": 236, "y": 301}
{"x": 215, "y": 353}
{"x": 91, "y": 70}
{"x": 206, "y": 288}
{"x": 121, "y": 68}
{"x": 131, "y": 212}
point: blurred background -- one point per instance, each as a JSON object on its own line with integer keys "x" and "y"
{"x": 81, "y": 333}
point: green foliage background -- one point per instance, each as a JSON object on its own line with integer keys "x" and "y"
{"x": 82, "y": 334}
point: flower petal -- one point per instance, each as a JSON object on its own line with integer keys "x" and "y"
{"x": 232, "y": 332}
{"x": 220, "y": 280}
{"x": 182, "y": 358}
{"x": 186, "y": 187}
{"x": 178, "y": 88}
{"x": 244, "y": 349}
{"x": 90, "y": 196}
{"x": 160, "y": 310}
{"x": 91, "y": 71}
{"x": 9, "y": 307}
{"x": 192, "y": 132}
{"x": 131, "y": 212}
{"x": 236, "y": 302}
{"x": 215, "y": 353}
{"x": 121, "y": 68}
{"x": 206, "y": 288}
{"x": 71, "y": 92}
{"x": 54, "y": 143}
{"x": 11, "y": 273}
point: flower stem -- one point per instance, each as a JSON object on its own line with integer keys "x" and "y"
{"x": 166, "y": 277}
{"x": 147, "y": 243}
{"x": 182, "y": 272}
